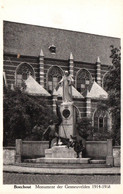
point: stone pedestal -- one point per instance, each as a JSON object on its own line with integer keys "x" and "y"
{"x": 117, "y": 156}
{"x": 60, "y": 152}
{"x": 68, "y": 113}
{"x": 109, "y": 158}
{"x": 18, "y": 150}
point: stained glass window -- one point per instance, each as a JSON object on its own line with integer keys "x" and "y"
{"x": 54, "y": 76}
{"x": 83, "y": 80}
{"x": 23, "y": 72}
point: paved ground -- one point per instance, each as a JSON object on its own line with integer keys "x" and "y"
{"x": 16, "y": 174}
{"x": 84, "y": 171}
{"x": 19, "y": 178}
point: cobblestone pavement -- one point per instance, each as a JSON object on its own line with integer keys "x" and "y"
{"x": 87, "y": 171}
{"x": 19, "y": 178}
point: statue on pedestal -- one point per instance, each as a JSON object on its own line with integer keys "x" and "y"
{"x": 64, "y": 131}
{"x": 67, "y": 82}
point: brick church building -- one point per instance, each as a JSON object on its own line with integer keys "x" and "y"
{"x": 40, "y": 55}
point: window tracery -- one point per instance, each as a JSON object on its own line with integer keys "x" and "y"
{"x": 22, "y": 73}
{"x": 100, "y": 120}
{"x": 84, "y": 79}
{"x": 54, "y": 76}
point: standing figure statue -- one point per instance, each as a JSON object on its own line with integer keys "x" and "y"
{"x": 67, "y": 82}
{"x": 52, "y": 132}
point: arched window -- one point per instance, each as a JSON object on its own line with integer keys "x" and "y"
{"x": 83, "y": 80}
{"x": 22, "y": 73}
{"x": 101, "y": 120}
{"x": 54, "y": 76}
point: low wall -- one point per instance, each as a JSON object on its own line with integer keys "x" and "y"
{"x": 96, "y": 149}
{"x": 30, "y": 149}
{"x": 34, "y": 148}
{"x": 9, "y": 155}
{"x": 100, "y": 149}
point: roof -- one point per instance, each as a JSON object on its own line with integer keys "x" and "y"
{"x": 97, "y": 92}
{"x": 28, "y": 40}
{"x": 75, "y": 93}
{"x": 34, "y": 88}
{"x": 88, "y": 94}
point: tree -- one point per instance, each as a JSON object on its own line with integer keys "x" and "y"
{"x": 22, "y": 113}
{"x": 84, "y": 128}
{"x": 112, "y": 86}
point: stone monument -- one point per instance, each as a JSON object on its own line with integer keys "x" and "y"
{"x": 65, "y": 154}
{"x": 67, "y": 127}
{"x": 67, "y": 108}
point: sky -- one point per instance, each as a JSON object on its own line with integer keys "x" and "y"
{"x": 103, "y": 17}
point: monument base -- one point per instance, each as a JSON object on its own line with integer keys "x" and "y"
{"x": 67, "y": 127}
{"x": 60, "y": 152}
{"x": 61, "y": 157}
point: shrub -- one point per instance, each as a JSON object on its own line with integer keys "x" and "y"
{"x": 21, "y": 113}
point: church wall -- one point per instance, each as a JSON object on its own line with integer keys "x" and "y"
{"x": 49, "y": 63}
{"x": 90, "y": 67}
{"x": 61, "y": 63}
{"x": 11, "y": 62}
{"x": 93, "y": 105}
{"x": 81, "y": 105}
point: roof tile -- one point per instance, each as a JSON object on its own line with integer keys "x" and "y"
{"x": 29, "y": 39}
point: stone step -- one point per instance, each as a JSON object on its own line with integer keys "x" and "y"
{"x": 64, "y": 166}
{"x": 97, "y": 161}
{"x": 59, "y": 160}
{"x": 70, "y": 163}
